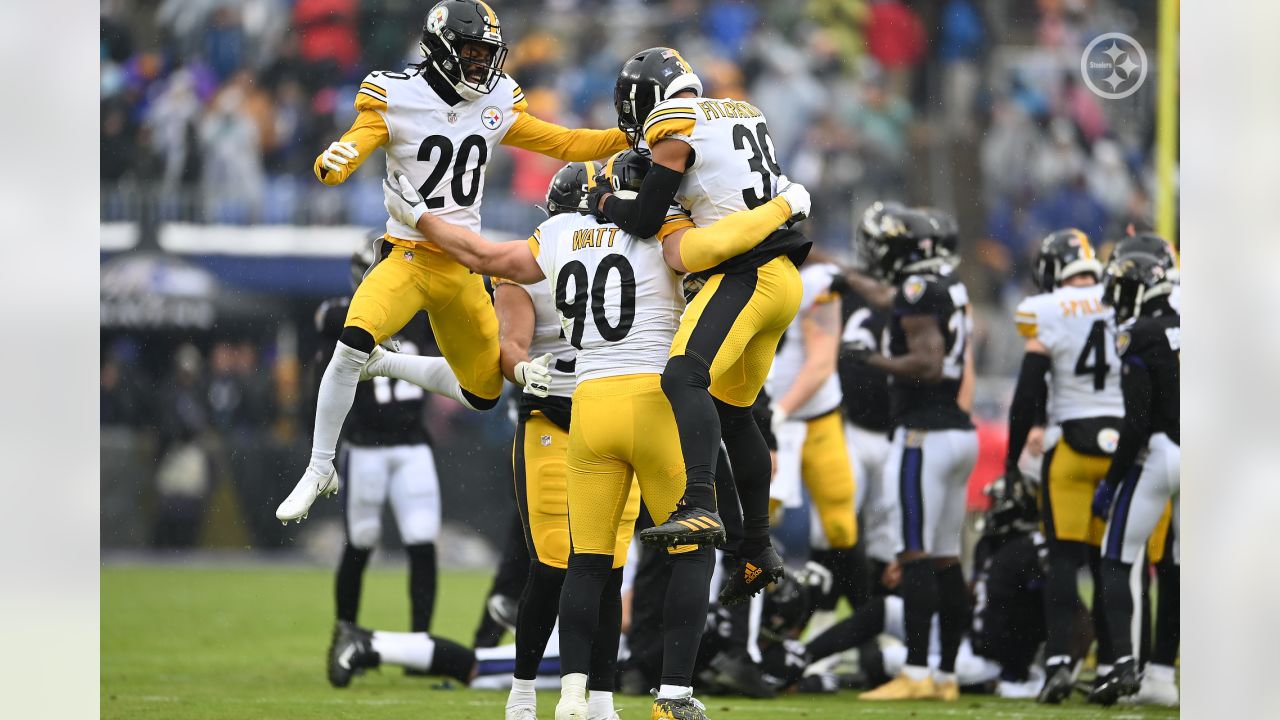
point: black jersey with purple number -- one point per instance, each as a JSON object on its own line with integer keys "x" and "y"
{"x": 865, "y": 389}
{"x": 385, "y": 412}
{"x": 916, "y": 403}
{"x": 1155, "y": 344}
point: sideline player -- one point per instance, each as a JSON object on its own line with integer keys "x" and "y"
{"x": 934, "y": 445}
{"x": 439, "y": 123}
{"x": 713, "y": 157}
{"x": 1071, "y": 375}
{"x": 1133, "y": 494}
{"x": 622, "y": 424}
{"x": 529, "y": 325}
{"x": 386, "y": 459}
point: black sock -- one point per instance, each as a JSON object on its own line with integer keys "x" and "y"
{"x": 828, "y": 560}
{"x": 850, "y": 576}
{"x": 866, "y": 623}
{"x": 953, "y": 614}
{"x": 920, "y": 602}
{"x": 539, "y": 606}
{"x": 644, "y": 640}
{"x": 580, "y": 596}
{"x": 685, "y": 382}
{"x": 604, "y": 651}
{"x": 1119, "y": 604}
{"x": 1164, "y": 650}
{"x": 1098, "y": 613}
{"x": 346, "y": 588}
{"x": 1145, "y": 612}
{"x": 452, "y": 660}
{"x": 1062, "y": 596}
{"x": 422, "y": 585}
{"x": 730, "y": 506}
{"x": 684, "y": 613}
{"x": 749, "y": 456}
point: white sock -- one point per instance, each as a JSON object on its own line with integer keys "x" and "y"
{"x": 600, "y": 705}
{"x": 413, "y": 650}
{"x": 941, "y": 677}
{"x": 573, "y": 687}
{"x": 675, "y": 692}
{"x": 915, "y": 672}
{"x": 1160, "y": 673}
{"x": 333, "y": 402}
{"x": 522, "y": 694}
{"x": 432, "y": 374}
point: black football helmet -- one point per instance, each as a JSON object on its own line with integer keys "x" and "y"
{"x": 906, "y": 242}
{"x": 568, "y": 189}
{"x": 449, "y": 25}
{"x": 1064, "y": 253}
{"x": 1013, "y": 508}
{"x": 869, "y": 226}
{"x": 788, "y": 604}
{"x": 1132, "y": 282}
{"x": 948, "y": 232}
{"x": 625, "y": 171}
{"x": 1151, "y": 244}
{"x": 363, "y": 259}
{"x": 646, "y": 79}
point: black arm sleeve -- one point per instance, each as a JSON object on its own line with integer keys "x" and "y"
{"x": 1030, "y": 397}
{"x": 1135, "y": 381}
{"x": 643, "y": 216}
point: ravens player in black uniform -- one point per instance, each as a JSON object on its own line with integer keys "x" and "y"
{"x": 385, "y": 457}
{"x": 934, "y": 444}
{"x": 1133, "y": 494}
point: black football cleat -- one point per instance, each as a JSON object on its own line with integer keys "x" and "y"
{"x": 350, "y": 652}
{"x": 738, "y": 674}
{"x": 751, "y": 575}
{"x": 1122, "y": 681}
{"x": 1057, "y": 684}
{"x": 688, "y": 525}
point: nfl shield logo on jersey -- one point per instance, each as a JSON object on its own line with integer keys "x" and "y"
{"x": 913, "y": 288}
{"x": 546, "y": 441}
{"x": 452, "y": 117}
{"x": 408, "y": 255}
{"x": 491, "y": 118}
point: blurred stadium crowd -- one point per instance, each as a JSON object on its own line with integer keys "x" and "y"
{"x": 214, "y": 110}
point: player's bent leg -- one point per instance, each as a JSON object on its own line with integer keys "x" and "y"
{"x": 466, "y": 329}
{"x": 757, "y": 564}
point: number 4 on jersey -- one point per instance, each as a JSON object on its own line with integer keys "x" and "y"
{"x": 1095, "y": 349}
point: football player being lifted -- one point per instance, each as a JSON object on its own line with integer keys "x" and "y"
{"x": 622, "y": 426}
{"x": 1133, "y": 495}
{"x": 714, "y": 158}
{"x": 529, "y": 326}
{"x": 934, "y": 446}
{"x": 439, "y": 123}
{"x": 1071, "y": 376}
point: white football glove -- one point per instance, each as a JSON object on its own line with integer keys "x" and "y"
{"x": 816, "y": 576}
{"x": 402, "y": 200}
{"x": 535, "y": 375}
{"x": 777, "y": 418}
{"x": 338, "y": 156}
{"x": 797, "y": 197}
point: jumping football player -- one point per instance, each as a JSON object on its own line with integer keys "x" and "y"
{"x": 439, "y": 123}
{"x": 713, "y": 157}
{"x": 622, "y": 424}
{"x": 934, "y": 445}
{"x": 1134, "y": 493}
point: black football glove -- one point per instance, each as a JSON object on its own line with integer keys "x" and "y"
{"x": 856, "y": 350}
{"x": 601, "y": 188}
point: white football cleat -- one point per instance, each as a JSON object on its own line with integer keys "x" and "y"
{"x": 369, "y": 371}
{"x": 568, "y": 709}
{"x": 1157, "y": 691}
{"x": 521, "y": 712}
{"x": 311, "y": 486}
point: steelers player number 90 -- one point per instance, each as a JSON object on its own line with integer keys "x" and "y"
{"x": 439, "y": 149}
{"x": 575, "y": 307}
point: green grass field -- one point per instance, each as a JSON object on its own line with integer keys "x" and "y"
{"x": 214, "y": 644}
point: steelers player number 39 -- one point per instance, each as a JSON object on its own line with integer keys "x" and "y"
{"x": 465, "y": 185}
{"x": 761, "y": 162}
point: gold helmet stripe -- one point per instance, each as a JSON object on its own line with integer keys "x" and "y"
{"x": 687, "y": 67}
{"x": 591, "y": 174}
{"x": 493, "y": 19}
{"x": 1086, "y": 249}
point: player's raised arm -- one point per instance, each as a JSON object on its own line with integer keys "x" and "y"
{"x": 367, "y": 133}
{"x": 546, "y": 138}
{"x": 509, "y": 260}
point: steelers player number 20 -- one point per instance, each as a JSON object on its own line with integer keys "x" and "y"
{"x": 592, "y": 298}
{"x": 465, "y": 185}
{"x": 760, "y": 162}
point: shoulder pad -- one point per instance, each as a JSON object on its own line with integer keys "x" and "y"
{"x": 676, "y": 116}
{"x": 372, "y": 94}
{"x": 1027, "y": 315}
{"x": 508, "y": 84}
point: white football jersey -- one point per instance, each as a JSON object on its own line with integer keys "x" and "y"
{"x": 549, "y": 337}
{"x": 619, "y": 303}
{"x": 1079, "y": 332}
{"x": 734, "y": 166}
{"x": 787, "y": 366}
{"x": 442, "y": 148}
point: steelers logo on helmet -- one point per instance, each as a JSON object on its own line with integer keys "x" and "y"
{"x": 438, "y": 17}
{"x": 491, "y": 117}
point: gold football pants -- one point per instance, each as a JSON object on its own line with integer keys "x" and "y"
{"x": 409, "y": 280}
{"x": 1066, "y": 506}
{"x": 540, "y": 456}
{"x": 828, "y": 476}
{"x": 734, "y": 325}
{"x": 623, "y": 433}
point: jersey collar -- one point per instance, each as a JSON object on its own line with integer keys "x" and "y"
{"x": 442, "y": 86}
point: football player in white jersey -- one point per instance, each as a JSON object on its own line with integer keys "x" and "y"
{"x": 808, "y": 423}
{"x": 529, "y": 326}
{"x": 1070, "y": 373}
{"x": 622, "y": 424}
{"x": 713, "y": 157}
{"x": 438, "y": 123}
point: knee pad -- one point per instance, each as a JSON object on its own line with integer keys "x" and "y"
{"x": 357, "y": 338}
{"x": 683, "y": 372}
{"x": 364, "y": 534}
